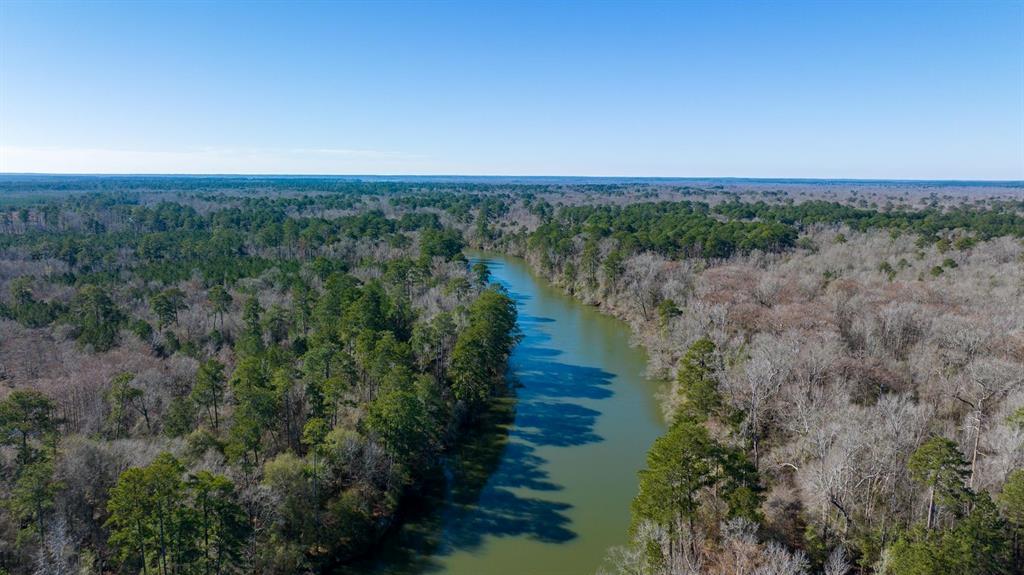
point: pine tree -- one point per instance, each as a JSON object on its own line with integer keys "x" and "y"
{"x": 208, "y": 390}
{"x": 939, "y": 465}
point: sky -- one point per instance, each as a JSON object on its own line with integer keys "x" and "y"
{"x": 887, "y": 90}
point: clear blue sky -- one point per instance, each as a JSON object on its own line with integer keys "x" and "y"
{"x": 825, "y": 89}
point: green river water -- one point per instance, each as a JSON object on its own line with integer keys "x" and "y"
{"x": 551, "y": 494}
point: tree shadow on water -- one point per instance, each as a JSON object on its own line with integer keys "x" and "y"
{"x": 522, "y": 468}
{"x": 483, "y": 498}
{"x": 498, "y": 485}
{"x": 502, "y": 513}
{"x": 539, "y": 374}
{"x": 526, "y": 320}
{"x": 560, "y": 424}
{"x": 536, "y": 371}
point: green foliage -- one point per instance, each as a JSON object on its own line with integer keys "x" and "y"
{"x": 26, "y": 309}
{"x": 446, "y": 243}
{"x": 1017, "y": 418}
{"x": 887, "y": 269}
{"x": 806, "y": 243}
{"x": 339, "y": 291}
{"x": 286, "y": 475}
{"x": 208, "y": 391}
{"x": 96, "y": 316}
{"x": 371, "y": 310}
{"x": 478, "y": 358}
{"x": 25, "y": 418}
{"x": 378, "y": 355}
{"x": 680, "y": 465}
{"x": 675, "y": 229}
{"x": 399, "y": 420}
{"x": 32, "y": 498}
{"x": 245, "y": 438}
{"x": 697, "y": 382}
{"x": 667, "y": 310}
{"x": 1011, "y": 499}
{"x": 613, "y": 266}
{"x": 180, "y": 418}
{"x": 431, "y": 343}
{"x": 251, "y": 341}
{"x": 276, "y": 324}
{"x": 148, "y": 523}
{"x": 141, "y": 329}
{"x": 964, "y": 243}
{"x": 329, "y": 374}
{"x": 939, "y": 465}
{"x": 985, "y": 223}
{"x": 166, "y": 305}
{"x": 332, "y": 369}
{"x": 160, "y": 522}
{"x": 589, "y": 262}
{"x": 220, "y": 301}
{"x": 482, "y": 273}
{"x": 255, "y": 409}
{"x": 977, "y": 545}
{"x": 314, "y": 432}
{"x": 201, "y": 441}
{"x": 125, "y": 401}
{"x": 222, "y": 523}
{"x": 685, "y": 468}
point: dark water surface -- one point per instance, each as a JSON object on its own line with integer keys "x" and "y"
{"x": 553, "y": 493}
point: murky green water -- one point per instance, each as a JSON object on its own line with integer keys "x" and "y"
{"x": 551, "y": 495}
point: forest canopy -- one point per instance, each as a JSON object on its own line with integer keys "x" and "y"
{"x": 258, "y": 374}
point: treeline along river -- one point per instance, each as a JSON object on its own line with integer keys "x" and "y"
{"x": 546, "y": 487}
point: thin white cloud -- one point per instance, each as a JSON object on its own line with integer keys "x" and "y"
{"x": 21, "y": 159}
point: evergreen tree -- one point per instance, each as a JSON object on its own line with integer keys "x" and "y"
{"x": 149, "y": 522}
{"x": 397, "y": 418}
{"x": 939, "y": 465}
{"x": 977, "y": 545}
{"x": 26, "y": 415}
{"x": 222, "y": 526}
{"x": 1011, "y": 503}
{"x": 251, "y": 342}
{"x": 256, "y": 408}
{"x": 123, "y": 399}
{"x": 208, "y": 391}
{"x": 697, "y": 384}
{"x": 96, "y": 316}
{"x": 220, "y": 302}
{"x": 33, "y": 497}
{"x": 481, "y": 349}
{"x": 166, "y": 305}
{"x": 686, "y": 468}
{"x": 482, "y": 273}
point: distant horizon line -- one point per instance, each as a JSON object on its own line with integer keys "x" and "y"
{"x": 415, "y": 177}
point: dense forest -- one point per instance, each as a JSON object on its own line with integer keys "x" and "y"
{"x": 228, "y": 375}
{"x": 848, "y": 383}
{"x": 234, "y": 388}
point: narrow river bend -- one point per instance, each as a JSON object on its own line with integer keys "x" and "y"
{"x": 553, "y": 494}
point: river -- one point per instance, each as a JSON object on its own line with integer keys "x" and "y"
{"x": 552, "y": 494}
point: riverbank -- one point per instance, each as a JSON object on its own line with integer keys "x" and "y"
{"x": 559, "y": 496}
